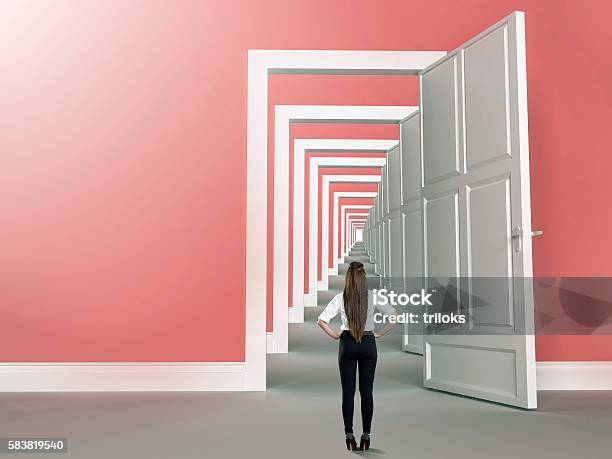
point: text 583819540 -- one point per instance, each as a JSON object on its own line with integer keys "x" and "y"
{"x": 33, "y": 445}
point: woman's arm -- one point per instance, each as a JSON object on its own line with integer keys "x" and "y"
{"x": 331, "y": 310}
{"x": 388, "y": 311}
{"x": 385, "y": 330}
{"x": 327, "y": 329}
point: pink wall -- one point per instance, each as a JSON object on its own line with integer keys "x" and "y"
{"x": 120, "y": 120}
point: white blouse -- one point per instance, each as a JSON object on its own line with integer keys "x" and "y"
{"x": 336, "y": 305}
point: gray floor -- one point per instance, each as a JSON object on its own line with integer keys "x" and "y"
{"x": 299, "y": 415}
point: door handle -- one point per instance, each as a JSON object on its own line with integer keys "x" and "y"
{"x": 517, "y": 238}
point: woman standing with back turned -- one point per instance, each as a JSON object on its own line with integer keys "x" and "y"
{"x": 357, "y": 348}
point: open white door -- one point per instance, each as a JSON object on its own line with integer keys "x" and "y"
{"x": 412, "y": 235}
{"x": 477, "y": 217}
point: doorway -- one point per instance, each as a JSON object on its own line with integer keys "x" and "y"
{"x": 454, "y": 90}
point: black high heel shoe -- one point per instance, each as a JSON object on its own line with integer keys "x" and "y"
{"x": 351, "y": 443}
{"x": 364, "y": 444}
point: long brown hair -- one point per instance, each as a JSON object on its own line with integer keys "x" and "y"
{"x": 355, "y": 297}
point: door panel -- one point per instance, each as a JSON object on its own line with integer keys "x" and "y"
{"x": 413, "y": 244}
{"x": 375, "y": 245}
{"x": 380, "y": 256}
{"x": 441, "y": 248}
{"x": 475, "y": 369}
{"x": 395, "y": 249}
{"x": 410, "y": 153}
{"x": 486, "y": 65}
{"x": 410, "y": 146}
{"x": 375, "y": 238}
{"x": 394, "y": 178}
{"x": 385, "y": 248}
{"x": 477, "y": 217}
{"x": 384, "y": 182}
{"x": 394, "y": 193}
{"x": 441, "y": 236}
{"x": 384, "y": 186}
{"x": 368, "y": 232}
{"x": 440, "y": 121}
{"x": 413, "y": 272}
{"x": 490, "y": 301}
{"x": 393, "y": 186}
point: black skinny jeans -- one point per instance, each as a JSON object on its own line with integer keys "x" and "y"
{"x": 350, "y": 355}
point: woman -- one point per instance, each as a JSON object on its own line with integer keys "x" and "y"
{"x": 357, "y": 348}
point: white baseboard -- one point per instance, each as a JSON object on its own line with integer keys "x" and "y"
{"x": 566, "y": 375}
{"x": 226, "y": 376}
{"x": 574, "y": 375}
{"x": 274, "y": 345}
{"x": 122, "y": 377}
{"x": 310, "y": 300}
{"x": 296, "y": 315}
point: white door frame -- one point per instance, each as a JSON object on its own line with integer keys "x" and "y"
{"x": 260, "y": 64}
{"x": 325, "y": 241}
{"x": 278, "y": 338}
{"x": 301, "y": 146}
{"x": 344, "y": 213}
{"x": 356, "y": 225}
{"x": 296, "y": 313}
{"x": 355, "y": 235}
{"x": 352, "y": 214}
{"x": 313, "y": 233}
{"x": 283, "y": 117}
{"x": 351, "y": 220}
{"x": 337, "y": 195}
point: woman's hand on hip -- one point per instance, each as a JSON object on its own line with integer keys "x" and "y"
{"x": 385, "y": 330}
{"x": 327, "y": 329}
